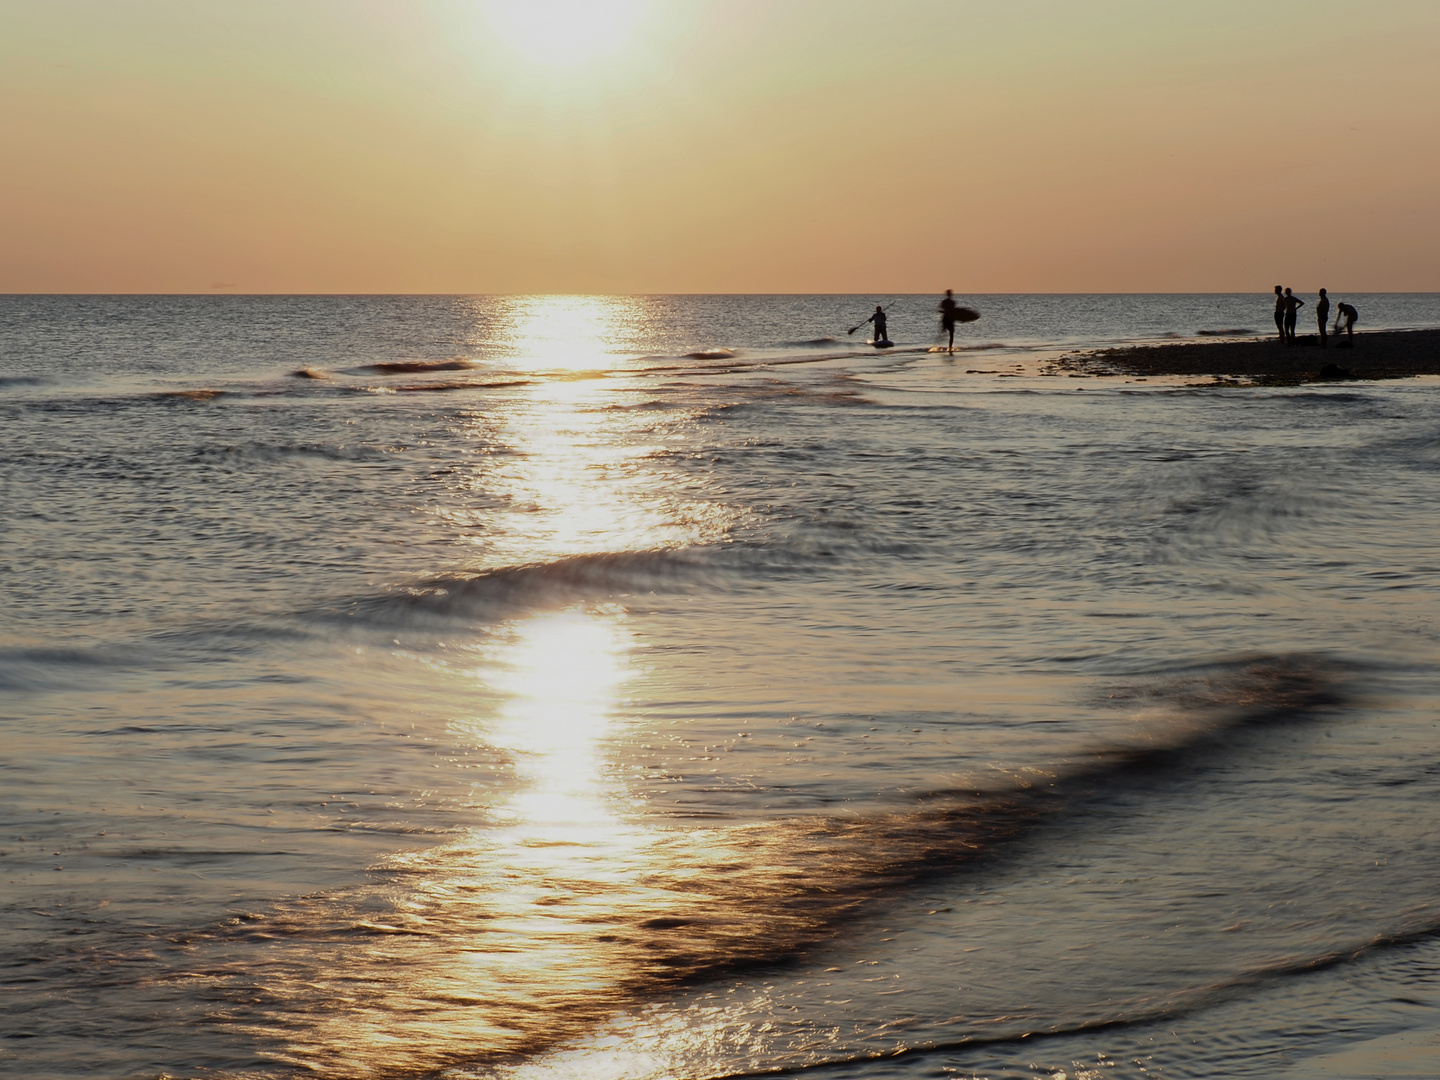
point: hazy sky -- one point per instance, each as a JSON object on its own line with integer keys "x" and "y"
{"x": 718, "y": 145}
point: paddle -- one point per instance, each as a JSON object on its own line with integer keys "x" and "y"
{"x": 860, "y": 324}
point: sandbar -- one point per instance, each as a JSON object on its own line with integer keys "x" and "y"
{"x": 1377, "y": 354}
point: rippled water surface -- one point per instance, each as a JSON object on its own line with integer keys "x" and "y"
{"x": 596, "y": 687}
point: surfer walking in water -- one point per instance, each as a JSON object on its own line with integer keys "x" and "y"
{"x": 1280, "y": 313}
{"x": 949, "y": 315}
{"x": 881, "y": 334}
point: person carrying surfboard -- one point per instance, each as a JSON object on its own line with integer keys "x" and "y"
{"x": 949, "y": 315}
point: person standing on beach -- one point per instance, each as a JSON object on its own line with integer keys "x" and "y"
{"x": 1293, "y": 304}
{"x": 1280, "y": 313}
{"x": 1349, "y": 314}
{"x": 1322, "y": 314}
{"x": 949, "y": 315}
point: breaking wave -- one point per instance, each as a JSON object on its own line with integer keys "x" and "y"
{"x": 502, "y": 591}
{"x": 418, "y": 367}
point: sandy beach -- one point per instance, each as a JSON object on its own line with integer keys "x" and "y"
{"x": 1394, "y": 354}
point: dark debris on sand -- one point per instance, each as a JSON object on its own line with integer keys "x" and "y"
{"x": 1388, "y": 354}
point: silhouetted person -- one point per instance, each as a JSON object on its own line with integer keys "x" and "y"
{"x": 949, "y": 315}
{"x": 1347, "y": 314}
{"x": 1293, "y": 304}
{"x": 1280, "y": 313}
{"x": 1322, "y": 314}
{"x": 879, "y": 320}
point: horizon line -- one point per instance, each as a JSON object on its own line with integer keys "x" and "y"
{"x": 877, "y": 292}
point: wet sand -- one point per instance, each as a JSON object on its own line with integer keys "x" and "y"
{"x": 1388, "y": 354}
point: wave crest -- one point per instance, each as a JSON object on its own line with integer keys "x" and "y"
{"x": 419, "y": 367}
{"x": 502, "y": 591}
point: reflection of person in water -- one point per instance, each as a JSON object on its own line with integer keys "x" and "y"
{"x": 1322, "y": 314}
{"x": 1347, "y": 314}
{"x": 949, "y": 314}
{"x": 879, "y": 320}
{"x": 1280, "y": 312}
{"x": 1293, "y": 304}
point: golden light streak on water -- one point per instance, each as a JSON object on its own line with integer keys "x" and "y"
{"x": 578, "y": 487}
{"x": 563, "y": 670}
{"x": 569, "y": 333}
{"x": 490, "y": 945}
{"x": 582, "y": 476}
{"x": 535, "y": 926}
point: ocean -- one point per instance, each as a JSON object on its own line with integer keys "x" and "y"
{"x": 628, "y": 688}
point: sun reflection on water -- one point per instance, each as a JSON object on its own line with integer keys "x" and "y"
{"x": 546, "y": 916}
{"x": 585, "y": 478}
{"x": 568, "y": 333}
{"x": 573, "y": 463}
{"x": 561, "y": 672}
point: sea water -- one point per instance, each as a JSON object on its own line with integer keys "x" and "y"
{"x": 646, "y": 687}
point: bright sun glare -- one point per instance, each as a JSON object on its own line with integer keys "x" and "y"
{"x": 563, "y": 33}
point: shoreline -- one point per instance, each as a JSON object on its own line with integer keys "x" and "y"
{"x": 1376, "y": 354}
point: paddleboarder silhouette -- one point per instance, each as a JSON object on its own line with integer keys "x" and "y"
{"x": 1322, "y": 314}
{"x": 881, "y": 334}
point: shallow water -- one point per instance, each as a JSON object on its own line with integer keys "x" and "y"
{"x": 675, "y": 687}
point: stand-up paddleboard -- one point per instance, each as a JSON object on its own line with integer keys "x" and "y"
{"x": 881, "y": 344}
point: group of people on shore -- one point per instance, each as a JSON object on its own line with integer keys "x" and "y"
{"x": 1287, "y": 308}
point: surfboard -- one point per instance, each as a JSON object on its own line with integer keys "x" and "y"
{"x": 882, "y": 344}
{"x": 965, "y": 314}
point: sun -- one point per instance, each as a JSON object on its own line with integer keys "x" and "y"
{"x": 565, "y": 33}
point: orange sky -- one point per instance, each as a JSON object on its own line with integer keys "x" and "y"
{"x": 718, "y": 146}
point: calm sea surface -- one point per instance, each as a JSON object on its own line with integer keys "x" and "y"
{"x": 676, "y": 687}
